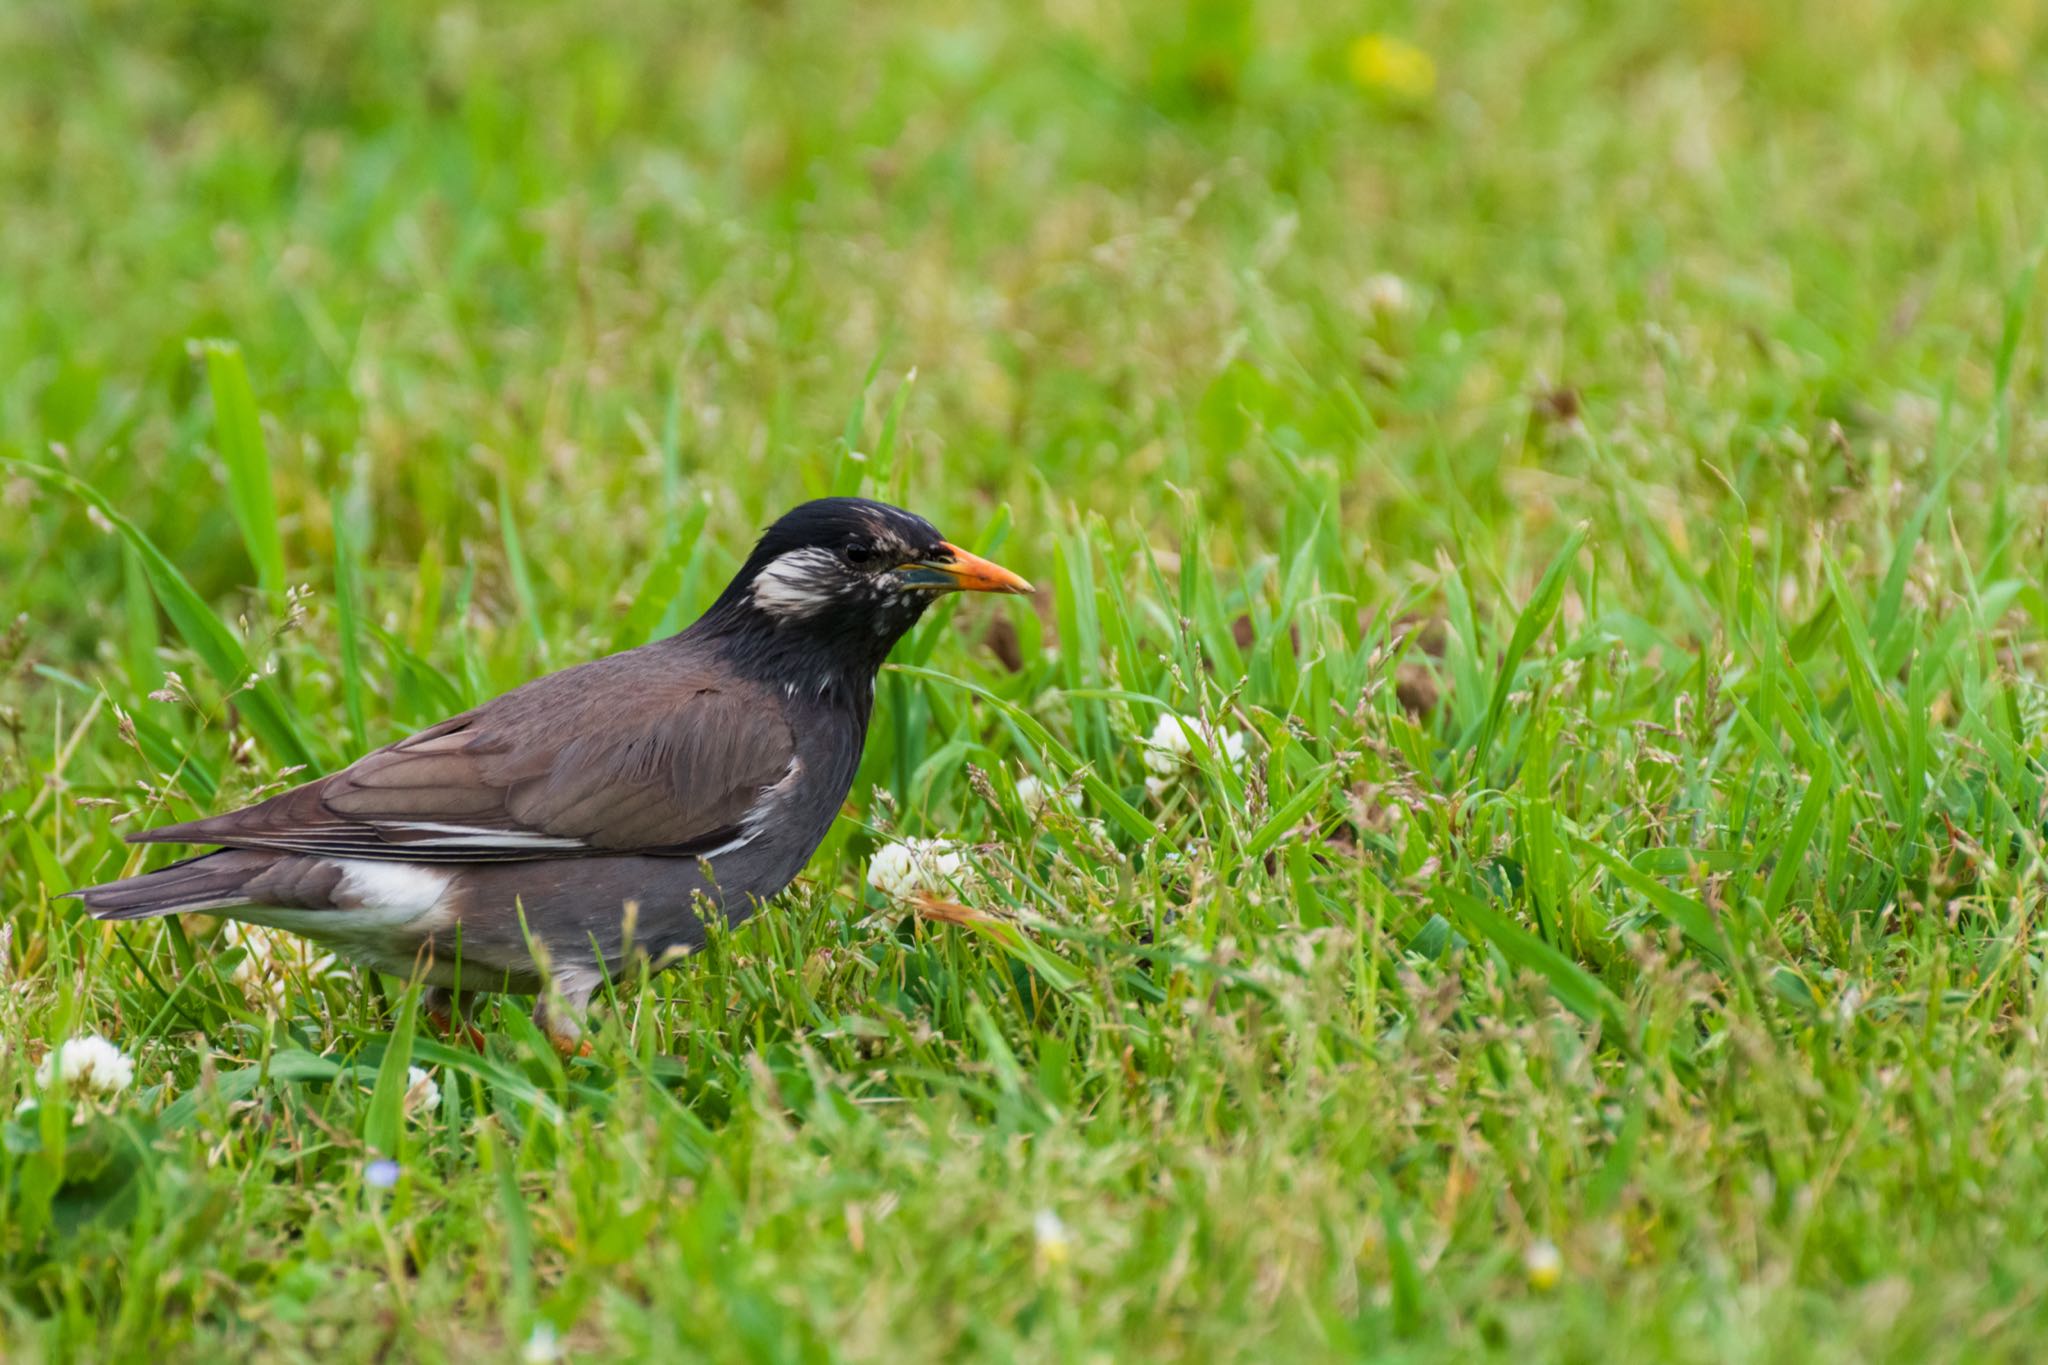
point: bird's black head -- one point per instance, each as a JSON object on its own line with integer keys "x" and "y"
{"x": 832, "y": 586}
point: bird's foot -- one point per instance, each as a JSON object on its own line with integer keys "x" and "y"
{"x": 449, "y": 1018}
{"x": 557, "y": 1019}
{"x": 468, "y": 1033}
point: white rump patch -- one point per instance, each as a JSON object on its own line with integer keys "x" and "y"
{"x": 381, "y": 913}
{"x": 799, "y": 583}
{"x": 397, "y": 893}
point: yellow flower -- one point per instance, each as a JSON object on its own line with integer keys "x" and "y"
{"x": 1543, "y": 1263}
{"x": 1055, "y": 1247}
{"x": 1391, "y": 66}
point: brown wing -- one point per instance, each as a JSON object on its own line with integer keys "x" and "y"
{"x": 627, "y": 754}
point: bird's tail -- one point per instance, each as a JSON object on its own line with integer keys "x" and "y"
{"x": 211, "y": 881}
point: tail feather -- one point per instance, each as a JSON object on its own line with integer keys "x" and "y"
{"x": 211, "y": 881}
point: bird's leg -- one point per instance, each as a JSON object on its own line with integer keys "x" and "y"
{"x": 438, "y": 1004}
{"x": 449, "y": 1014}
{"x": 559, "y": 1012}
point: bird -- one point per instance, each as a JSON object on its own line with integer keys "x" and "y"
{"x": 536, "y": 844}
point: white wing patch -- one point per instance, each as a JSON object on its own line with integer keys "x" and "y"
{"x": 764, "y": 805}
{"x": 469, "y": 836}
{"x": 730, "y": 846}
{"x": 799, "y": 583}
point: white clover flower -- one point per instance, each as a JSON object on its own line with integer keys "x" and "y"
{"x": 1233, "y": 748}
{"x": 271, "y": 960}
{"x": 1031, "y": 794}
{"x": 1543, "y": 1264}
{"x": 542, "y": 1345}
{"x": 1055, "y": 1246}
{"x": 1168, "y": 752}
{"x": 91, "y": 1065}
{"x": 1167, "y": 748}
{"x": 1388, "y": 295}
{"x": 422, "y": 1094}
{"x": 1035, "y": 796}
{"x": 911, "y": 865}
{"x": 1847, "y": 1004}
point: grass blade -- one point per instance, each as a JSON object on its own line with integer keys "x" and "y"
{"x": 663, "y": 580}
{"x": 1535, "y": 618}
{"x": 1133, "y": 820}
{"x": 238, "y": 433}
{"x": 522, "y": 576}
{"x": 1693, "y": 919}
{"x": 384, "y": 1121}
{"x": 348, "y": 609}
{"x": 1575, "y": 988}
{"x": 195, "y": 622}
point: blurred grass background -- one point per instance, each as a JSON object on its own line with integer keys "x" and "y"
{"x": 1247, "y": 330}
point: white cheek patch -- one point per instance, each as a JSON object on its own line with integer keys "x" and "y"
{"x": 799, "y": 583}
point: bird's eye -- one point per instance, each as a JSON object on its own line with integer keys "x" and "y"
{"x": 860, "y": 554}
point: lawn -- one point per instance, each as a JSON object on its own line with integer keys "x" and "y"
{"x": 1583, "y": 465}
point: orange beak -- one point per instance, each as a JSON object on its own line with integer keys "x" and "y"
{"x": 960, "y": 571}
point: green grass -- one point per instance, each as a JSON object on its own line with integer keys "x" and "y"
{"x": 1607, "y": 490}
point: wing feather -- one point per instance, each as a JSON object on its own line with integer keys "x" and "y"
{"x": 630, "y": 754}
